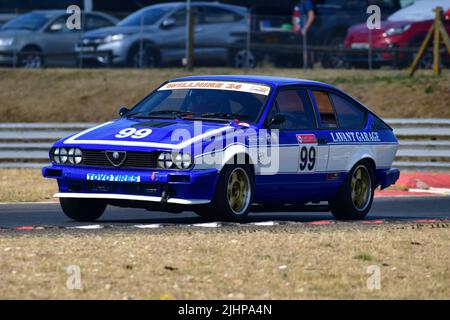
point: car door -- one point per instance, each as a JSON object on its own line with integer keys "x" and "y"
{"x": 59, "y": 42}
{"x": 303, "y": 156}
{"x": 172, "y": 37}
{"x": 345, "y": 123}
{"x": 213, "y": 33}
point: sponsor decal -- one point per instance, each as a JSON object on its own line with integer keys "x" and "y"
{"x": 218, "y": 85}
{"x": 306, "y": 138}
{"x": 112, "y": 177}
{"x": 355, "y": 136}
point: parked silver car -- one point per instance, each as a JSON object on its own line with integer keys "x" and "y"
{"x": 42, "y": 38}
{"x": 156, "y": 36}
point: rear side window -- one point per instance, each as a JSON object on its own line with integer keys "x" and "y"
{"x": 326, "y": 111}
{"x": 349, "y": 115}
{"x": 96, "y": 22}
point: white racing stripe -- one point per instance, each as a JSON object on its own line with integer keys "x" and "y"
{"x": 181, "y": 145}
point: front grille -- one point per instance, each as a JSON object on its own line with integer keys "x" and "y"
{"x": 134, "y": 160}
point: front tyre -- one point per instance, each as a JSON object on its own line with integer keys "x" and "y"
{"x": 234, "y": 195}
{"x": 354, "y": 199}
{"x": 82, "y": 209}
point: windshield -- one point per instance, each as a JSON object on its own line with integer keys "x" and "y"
{"x": 145, "y": 17}
{"x": 30, "y": 21}
{"x": 208, "y": 104}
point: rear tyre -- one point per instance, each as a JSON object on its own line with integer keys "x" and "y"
{"x": 233, "y": 197}
{"x": 82, "y": 209}
{"x": 354, "y": 199}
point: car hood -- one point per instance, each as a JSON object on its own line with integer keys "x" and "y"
{"x": 385, "y": 25}
{"x": 103, "y": 32}
{"x": 162, "y": 134}
{"x": 14, "y": 33}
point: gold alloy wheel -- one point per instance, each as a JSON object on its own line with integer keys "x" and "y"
{"x": 361, "y": 188}
{"x": 238, "y": 191}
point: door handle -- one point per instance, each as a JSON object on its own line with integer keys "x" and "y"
{"x": 322, "y": 141}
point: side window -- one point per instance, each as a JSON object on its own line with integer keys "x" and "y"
{"x": 296, "y": 107}
{"x": 180, "y": 18}
{"x": 59, "y": 26}
{"x": 349, "y": 115}
{"x": 96, "y": 22}
{"x": 326, "y": 111}
{"x": 211, "y": 15}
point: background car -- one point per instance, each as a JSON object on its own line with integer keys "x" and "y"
{"x": 156, "y": 35}
{"x": 332, "y": 20}
{"x": 42, "y": 38}
{"x": 406, "y": 28}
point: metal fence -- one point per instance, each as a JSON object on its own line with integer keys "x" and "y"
{"x": 424, "y": 143}
{"x": 266, "y": 40}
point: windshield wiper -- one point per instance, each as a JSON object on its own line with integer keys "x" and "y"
{"x": 225, "y": 115}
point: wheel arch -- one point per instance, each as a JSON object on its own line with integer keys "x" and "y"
{"x": 236, "y": 153}
{"x": 32, "y": 46}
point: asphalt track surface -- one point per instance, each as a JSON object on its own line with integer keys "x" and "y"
{"x": 389, "y": 209}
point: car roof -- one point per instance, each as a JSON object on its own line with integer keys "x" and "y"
{"x": 274, "y": 82}
{"x": 197, "y": 3}
{"x": 55, "y": 12}
{"x": 268, "y": 80}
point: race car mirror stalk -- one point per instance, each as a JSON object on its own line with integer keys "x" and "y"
{"x": 123, "y": 111}
{"x": 202, "y": 144}
{"x": 276, "y": 120}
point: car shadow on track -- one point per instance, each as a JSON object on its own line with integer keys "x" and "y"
{"x": 291, "y": 213}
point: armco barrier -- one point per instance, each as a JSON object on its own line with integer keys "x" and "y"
{"x": 424, "y": 143}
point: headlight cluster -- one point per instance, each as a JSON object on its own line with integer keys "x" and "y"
{"x": 6, "y": 42}
{"x": 170, "y": 160}
{"x": 67, "y": 155}
{"x": 397, "y": 30}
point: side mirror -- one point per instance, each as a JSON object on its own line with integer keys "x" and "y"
{"x": 168, "y": 23}
{"x": 123, "y": 111}
{"x": 277, "y": 119}
{"x": 56, "y": 27}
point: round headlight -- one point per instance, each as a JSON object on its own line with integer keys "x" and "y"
{"x": 63, "y": 155}
{"x": 78, "y": 156}
{"x": 165, "y": 160}
{"x": 56, "y": 156}
{"x": 75, "y": 156}
{"x": 183, "y": 160}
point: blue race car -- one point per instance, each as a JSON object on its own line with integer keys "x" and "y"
{"x": 218, "y": 144}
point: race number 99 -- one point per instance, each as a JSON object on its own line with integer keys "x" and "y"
{"x": 307, "y": 158}
{"x": 133, "y": 133}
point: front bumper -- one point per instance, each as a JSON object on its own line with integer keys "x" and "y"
{"x": 104, "y": 54}
{"x": 156, "y": 186}
{"x": 8, "y": 58}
